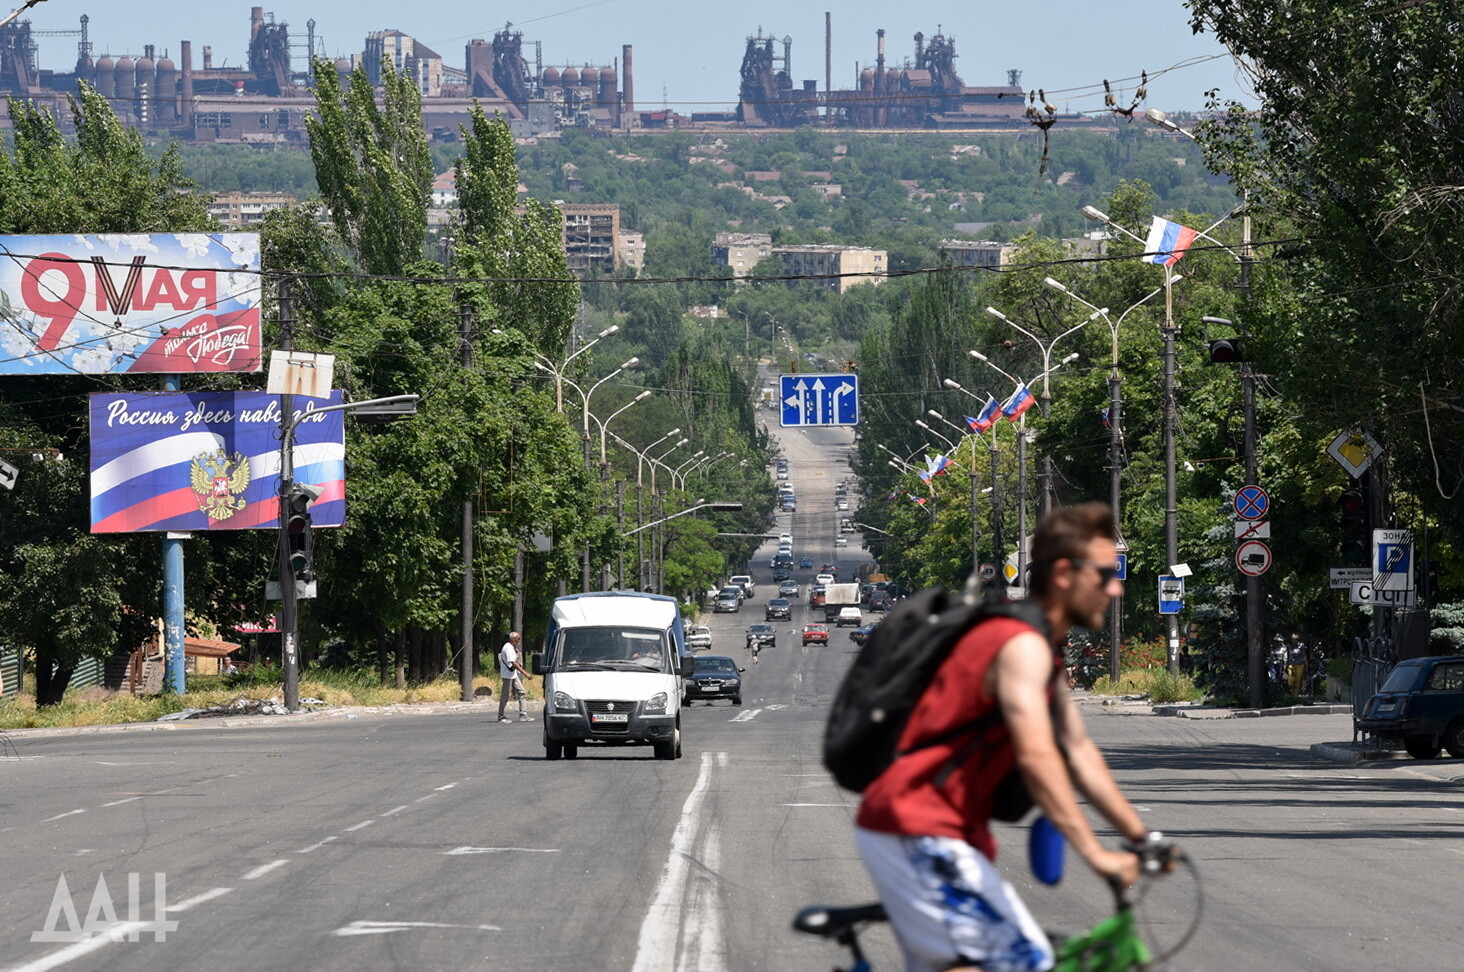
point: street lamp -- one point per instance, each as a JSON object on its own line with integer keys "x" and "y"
{"x": 689, "y": 459}
{"x": 996, "y": 547}
{"x": 971, "y": 471}
{"x": 656, "y": 461}
{"x": 545, "y": 364}
{"x": 639, "y": 398}
{"x": 1161, "y": 118}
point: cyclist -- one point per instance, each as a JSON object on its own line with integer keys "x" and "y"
{"x": 922, "y": 827}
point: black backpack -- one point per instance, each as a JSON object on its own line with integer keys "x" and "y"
{"x": 893, "y": 670}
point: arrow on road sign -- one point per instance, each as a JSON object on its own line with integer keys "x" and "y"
{"x": 8, "y": 474}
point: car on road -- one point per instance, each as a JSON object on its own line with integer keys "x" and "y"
{"x": 861, "y": 634}
{"x": 841, "y": 505}
{"x": 841, "y": 541}
{"x": 713, "y": 677}
{"x": 790, "y": 506}
{"x": 778, "y": 609}
{"x": 699, "y": 637}
{"x": 763, "y": 635}
{"x": 817, "y": 595}
{"x": 880, "y": 600}
{"x": 829, "y": 569}
{"x": 727, "y": 603}
{"x": 785, "y": 539}
{"x": 824, "y": 579}
{"x": 1420, "y": 704}
{"x": 781, "y": 574}
{"x": 789, "y": 589}
{"x": 815, "y": 634}
{"x": 849, "y": 617}
{"x": 806, "y": 563}
{"x": 744, "y": 581}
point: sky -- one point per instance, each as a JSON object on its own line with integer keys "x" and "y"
{"x": 687, "y": 52}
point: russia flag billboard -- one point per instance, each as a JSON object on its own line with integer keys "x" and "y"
{"x": 197, "y": 461}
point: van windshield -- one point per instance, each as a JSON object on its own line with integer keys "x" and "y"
{"x": 613, "y": 649}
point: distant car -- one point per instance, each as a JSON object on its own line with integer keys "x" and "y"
{"x": 815, "y": 634}
{"x": 849, "y": 617}
{"x": 806, "y": 563}
{"x": 785, "y": 538}
{"x": 699, "y": 637}
{"x": 745, "y": 582}
{"x": 842, "y": 505}
{"x": 789, "y": 589}
{"x": 861, "y": 634}
{"x": 841, "y": 541}
{"x": 824, "y": 579}
{"x": 778, "y": 609}
{"x": 1421, "y": 704}
{"x": 880, "y": 601}
{"x": 829, "y": 569}
{"x": 789, "y": 506}
{"x": 713, "y": 677}
{"x": 781, "y": 574}
{"x": 727, "y": 604}
{"x": 817, "y": 596}
{"x": 762, "y": 635}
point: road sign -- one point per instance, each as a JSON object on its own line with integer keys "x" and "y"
{"x": 1122, "y": 567}
{"x": 1171, "y": 594}
{"x": 988, "y": 571}
{"x": 1392, "y": 560}
{"x": 1364, "y": 593}
{"x": 1354, "y": 452}
{"x": 1253, "y": 558}
{"x": 1342, "y": 578}
{"x": 822, "y": 400}
{"x": 1252, "y": 529}
{"x": 8, "y": 474}
{"x": 1251, "y": 503}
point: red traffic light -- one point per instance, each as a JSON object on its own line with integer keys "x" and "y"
{"x": 1351, "y": 501}
{"x": 1226, "y": 351}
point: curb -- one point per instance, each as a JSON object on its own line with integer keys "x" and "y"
{"x": 254, "y": 721}
{"x": 1347, "y": 753}
{"x": 1206, "y": 712}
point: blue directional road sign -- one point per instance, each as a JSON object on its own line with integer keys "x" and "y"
{"x": 819, "y": 400}
{"x": 1122, "y": 567}
{"x": 1171, "y": 594}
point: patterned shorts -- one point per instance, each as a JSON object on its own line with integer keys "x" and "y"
{"x": 949, "y": 906}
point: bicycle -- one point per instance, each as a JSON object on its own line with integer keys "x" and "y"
{"x": 1112, "y": 945}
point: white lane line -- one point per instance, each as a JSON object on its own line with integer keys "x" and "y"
{"x": 318, "y": 845}
{"x": 747, "y": 716}
{"x": 420, "y": 799}
{"x": 439, "y": 789}
{"x": 458, "y": 851}
{"x": 364, "y": 823}
{"x": 813, "y": 804}
{"x": 387, "y": 927}
{"x": 264, "y": 869}
{"x": 118, "y": 803}
{"x": 395, "y": 810}
{"x": 114, "y": 932}
{"x": 705, "y": 949}
{"x": 660, "y": 931}
{"x": 68, "y": 813}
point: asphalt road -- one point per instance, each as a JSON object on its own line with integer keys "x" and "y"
{"x": 448, "y": 842}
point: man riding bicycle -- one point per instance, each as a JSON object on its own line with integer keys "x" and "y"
{"x": 923, "y": 825}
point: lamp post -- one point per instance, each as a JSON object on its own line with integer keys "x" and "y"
{"x": 995, "y": 488}
{"x": 677, "y": 471}
{"x": 656, "y": 461}
{"x": 640, "y": 460}
{"x": 1161, "y": 118}
{"x": 545, "y": 364}
{"x": 970, "y": 471}
{"x": 639, "y": 398}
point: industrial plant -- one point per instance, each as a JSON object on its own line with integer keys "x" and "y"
{"x": 265, "y": 99}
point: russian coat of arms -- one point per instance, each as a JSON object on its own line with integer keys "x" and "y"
{"x": 218, "y": 478}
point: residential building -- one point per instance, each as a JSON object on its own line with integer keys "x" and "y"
{"x": 833, "y": 266}
{"x": 977, "y": 253}
{"x": 741, "y": 251}
{"x": 591, "y": 236}
{"x": 633, "y": 251}
{"x": 242, "y": 210}
{"x": 407, "y": 56}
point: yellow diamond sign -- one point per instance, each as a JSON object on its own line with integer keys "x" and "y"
{"x": 1354, "y": 451}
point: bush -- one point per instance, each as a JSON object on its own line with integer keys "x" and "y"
{"x": 1156, "y": 683}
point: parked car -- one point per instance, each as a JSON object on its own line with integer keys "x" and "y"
{"x": 699, "y": 637}
{"x": 713, "y": 677}
{"x": 817, "y": 596}
{"x": 789, "y": 589}
{"x": 762, "y": 634}
{"x": 778, "y": 609}
{"x": 849, "y": 617}
{"x": 745, "y": 582}
{"x": 806, "y": 563}
{"x": 727, "y": 604}
{"x": 815, "y": 634}
{"x": 861, "y": 634}
{"x": 1421, "y": 704}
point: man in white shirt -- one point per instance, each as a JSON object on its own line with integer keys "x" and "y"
{"x": 511, "y": 670}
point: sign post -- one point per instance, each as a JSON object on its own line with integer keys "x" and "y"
{"x": 1171, "y": 594}
{"x": 819, "y": 400}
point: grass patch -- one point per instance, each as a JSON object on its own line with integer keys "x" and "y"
{"x": 95, "y": 706}
{"x": 1157, "y": 683}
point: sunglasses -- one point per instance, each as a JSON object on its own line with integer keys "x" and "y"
{"x": 1106, "y": 572}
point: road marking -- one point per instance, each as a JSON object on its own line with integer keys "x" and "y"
{"x": 660, "y": 931}
{"x": 118, "y": 803}
{"x": 706, "y": 951}
{"x": 420, "y": 799}
{"x": 747, "y": 716}
{"x": 395, "y": 810}
{"x": 441, "y": 788}
{"x": 319, "y": 845}
{"x": 458, "y": 851}
{"x": 814, "y": 804}
{"x": 387, "y": 927}
{"x": 114, "y": 932}
{"x": 68, "y": 813}
{"x": 364, "y": 823}
{"x": 264, "y": 869}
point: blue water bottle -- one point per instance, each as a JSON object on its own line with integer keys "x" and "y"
{"x": 1045, "y": 847}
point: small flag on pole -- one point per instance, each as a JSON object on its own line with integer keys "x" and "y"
{"x": 1020, "y": 401}
{"x": 936, "y": 465}
{"x": 990, "y": 412}
{"x": 1167, "y": 242}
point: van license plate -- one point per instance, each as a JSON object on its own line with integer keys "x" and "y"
{"x": 612, "y": 717}
{"x": 1386, "y": 707}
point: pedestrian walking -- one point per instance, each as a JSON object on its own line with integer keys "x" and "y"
{"x": 511, "y": 670}
{"x": 1276, "y": 660}
{"x": 1295, "y": 663}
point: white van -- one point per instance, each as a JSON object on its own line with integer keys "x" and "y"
{"x": 612, "y": 665}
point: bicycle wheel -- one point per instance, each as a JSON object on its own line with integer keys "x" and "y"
{"x": 1167, "y": 910}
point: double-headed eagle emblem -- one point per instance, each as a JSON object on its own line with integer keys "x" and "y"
{"x": 218, "y": 478}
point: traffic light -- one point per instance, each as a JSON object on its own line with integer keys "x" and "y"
{"x": 1356, "y": 527}
{"x": 1226, "y": 351}
{"x": 297, "y": 529}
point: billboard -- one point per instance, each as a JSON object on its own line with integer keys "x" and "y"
{"x": 171, "y": 303}
{"x": 197, "y": 461}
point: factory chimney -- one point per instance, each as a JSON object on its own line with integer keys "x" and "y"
{"x": 185, "y": 65}
{"x": 828, "y": 67}
{"x": 627, "y": 88}
{"x": 207, "y": 57}
{"x": 879, "y": 78}
{"x": 256, "y": 21}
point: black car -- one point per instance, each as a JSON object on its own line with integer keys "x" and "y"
{"x": 861, "y": 634}
{"x": 714, "y": 677}
{"x": 880, "y": 601}
{"x": 781, "y": 574}
{"x": 1421, "y": 704}
{"x": 762, "y": 636}
{"x": 778, "y": 609}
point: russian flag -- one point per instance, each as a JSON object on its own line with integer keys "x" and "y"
{"x": 989, "y": 414}
{"x": 1020, "y": 401}
{"x": 1167, "y": 242}
{"x": 937, "y": 464}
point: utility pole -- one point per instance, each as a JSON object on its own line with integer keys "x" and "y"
{"x": 1171, "y": 500}
{"x": 1254, "y": 658}
{"x": 289, "y": 602}
{"x": 997, "y": 559}
{"x": 467, "y": 666}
